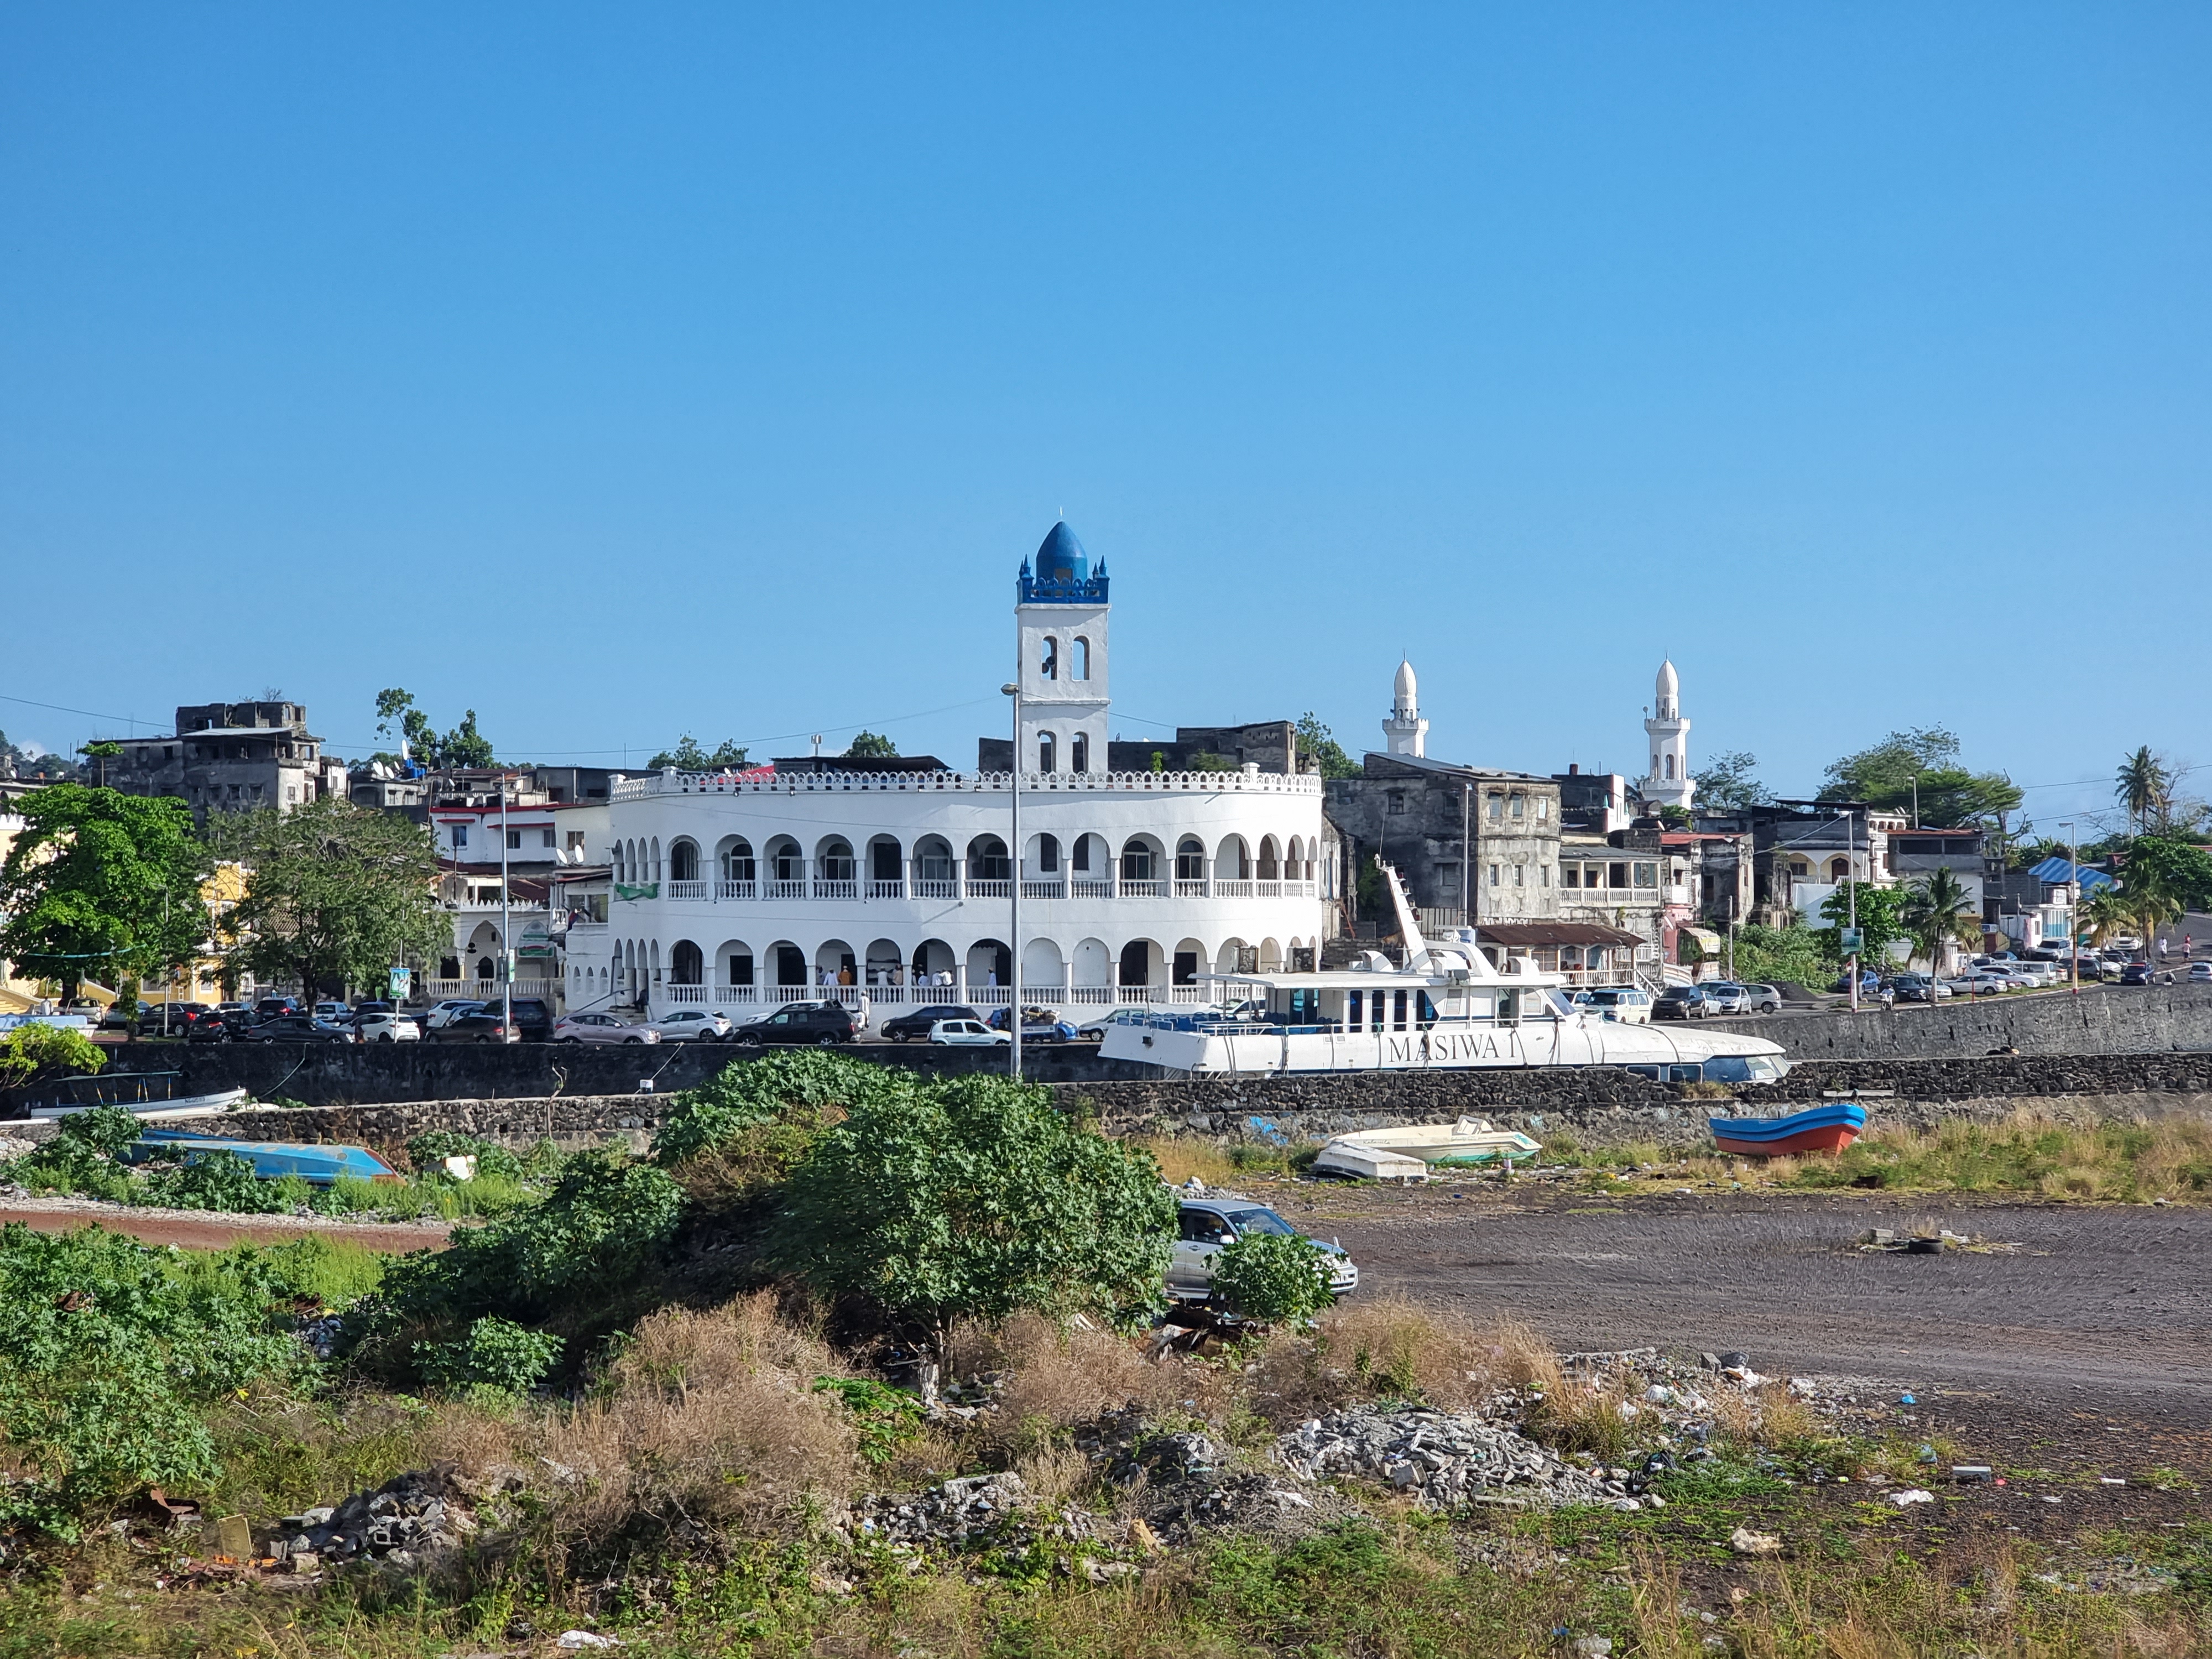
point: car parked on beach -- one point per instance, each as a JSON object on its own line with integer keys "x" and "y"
{"x": 1205, "y": 1225}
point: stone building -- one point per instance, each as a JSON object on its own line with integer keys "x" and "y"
{"x": 231, "y": 756}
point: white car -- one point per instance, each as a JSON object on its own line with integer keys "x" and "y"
{"x": 967, "y": 1034}
{"x": 1983, "y": 983}
{"x": 1764, "y": 999}
{"x": 2200, "y": 973}
{"x": 1205, "y": 1225}
{"x": 601, "y": 1028}
{"x": 693, "y": 1025}
{"x": 385, "y": 1025}
{"x": 442, "y": 1014}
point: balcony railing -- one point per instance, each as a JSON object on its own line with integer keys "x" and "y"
{"x": 959, "y": 887}
{"x": 686, "y": 993}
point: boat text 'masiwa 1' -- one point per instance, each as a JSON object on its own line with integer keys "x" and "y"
{"x": 1447, "y": 1008}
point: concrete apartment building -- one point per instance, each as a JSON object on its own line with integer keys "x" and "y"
{"x": 232, "y": 757}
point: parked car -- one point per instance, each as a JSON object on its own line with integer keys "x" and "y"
{"x": 172, "y": 1019}
{"x": 486, "y": 1027}
{"x": 1764, "y": 999}
{"x": 1624, "y": 1005}
{"x": 337, "y": 1013}
{"x": 1038, "y": 1025}
{"x": 1919, "y": 988}
{"x": 823, "y": 1022}
{"x": 693, "y": 1025}
{"x": 1094, "y": 1028}
{"x": 1983, "y": 983}
{"x": 117, "y": 1015}
{"x": 2135, "y": 973}
{"x": 968, "y": 1033}
{"x": 212, "y": 1028}
{"x": 1726, "y": 996}
{"x": 1869, "y": 982}
{"x": 268, "y": 1007}
{"x": 533, "y": 1018}
{"x": 915, "y": 1025}
{"x": 1204, "y": 1224}
{"x": 1682, "y": 1002}
{"x": 385, "y": 1025}
{"x": 449, "y": 1009}
{"x": 2200, "y": 973}
{"x": 296, "y": 1028}
{"x": 601, "y": 1028}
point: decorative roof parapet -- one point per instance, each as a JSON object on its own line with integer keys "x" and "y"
{"x": 946, "y": 783}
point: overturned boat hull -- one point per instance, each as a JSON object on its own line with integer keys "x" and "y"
{"x": 1823, "y": 1129}
{"x": 273, "y": 1160}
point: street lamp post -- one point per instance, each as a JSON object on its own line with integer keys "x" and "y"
{"x": 2074, "y": 907}
{"x": 506, "y": 926}
{"x": 1852, "y": 886}
{"x": 1013, "y": 688}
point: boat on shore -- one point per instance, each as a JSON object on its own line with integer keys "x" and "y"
{"x": 1825, "y": 1129}
{"x": 1450, "y": 1008}
{"x": 317, "y": 1165}
{"x": 1408, "y": 1152}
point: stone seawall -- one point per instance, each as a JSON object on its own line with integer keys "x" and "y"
{"x": 2109, "y": 1020}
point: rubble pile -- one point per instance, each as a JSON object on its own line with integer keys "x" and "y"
{"x": 1443, "y": 1460}
{"x": 973, "y": 1512}
{"x": 412, "y": 1516}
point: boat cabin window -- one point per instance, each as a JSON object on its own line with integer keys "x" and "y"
{"x": 1509, "y": 1007}
{"x": 1300, "y": 1006}
{"x": 1426, "y": 1013}
{"x": 1397, "y": 1011}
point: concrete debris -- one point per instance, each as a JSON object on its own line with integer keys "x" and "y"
{"x": 1744, "y": 1542}
{"x": 413, "y": 1514}
{"x": 1443, "y": 1461}
{"x": 974, "y": 1510}
{"x": 579, "y": 1640}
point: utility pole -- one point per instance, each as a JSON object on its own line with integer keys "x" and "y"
{"x": 1466, "y": 854}
{"x": 1013, "y": 689}
{"x": 1852, "y": 886}
{"x": 2073, "y": 906}
{"x": 506, "y": 932}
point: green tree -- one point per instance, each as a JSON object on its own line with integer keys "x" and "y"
{"x": 2166, "y": 863}
{"x": 463, "y": 746}
{"x": 688, "y": 757}
{"x": 1319, "y": 751}
{"x": 870, "y": 746}
{"x": 1937, "y": 908}
{"x": 2144, "y": 785}
{"x": 334, "y": 894}
{"x": 976, "y": 1197}
{"x": 1922, "y": 764}
{"x": 33, "y": 1054}
{"x": 1271, "y": 1277}
{"x": 1881, "y": 921}
{"x": 99, "y": 753}
{"x": 1728, "y": 783}
{"x": 100, "y": 885}
{"x": 2106, "y": 915}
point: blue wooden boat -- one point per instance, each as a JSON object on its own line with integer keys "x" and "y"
{"x": 1825, "y": 1129}
{"x": 320, "y": 1166}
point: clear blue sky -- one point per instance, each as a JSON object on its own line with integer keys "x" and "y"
{"x": 618, "y": 370}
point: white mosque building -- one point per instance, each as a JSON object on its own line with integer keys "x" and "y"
{"x": 731, "y": 889}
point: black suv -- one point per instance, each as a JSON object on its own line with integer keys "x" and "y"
{"x": 824, "y": 1022}
{"x": 533, "y": 1020}
{"x": 912, "y": 1027}
{"x": 1681, "y": 1002}
{"x": 486, "y": 1027}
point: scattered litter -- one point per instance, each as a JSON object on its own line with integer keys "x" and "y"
{"x": 1969, "y": 1473}
{"x": 2050, "y": 1500}
{"x": 1744, "y": 1542}
{"x": 573, "y": 1639}
{"x": 1594, "y": 1647}
{"x": 1444, "y": 1461}
{"x": 2111, "y": 1480}
{"x": 1915, "y": 1495}
{"x": 1906, "y": 1400}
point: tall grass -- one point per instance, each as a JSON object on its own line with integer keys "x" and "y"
{"x": 2168, "y": 1158}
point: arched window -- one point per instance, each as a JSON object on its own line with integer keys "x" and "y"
{"x": 1670, "y": 766}
{"x": 1839, "y": 870}
{"x": 1190, "y": 859}
{"x": 684, "y": 865}
{"x": 686, "y": 965}
{"x": 1082, "y": 660}
{"x": 1050, "y": 666}
{"x": 1048, "y": 855}
{"x": 987, "y": 859}
{"x": 1136, "y": 862}
{"x": 653, "y": 874}
{"x": 837, "y": 863}
{"x": 737, "y": 861}
{"x": 1045, "y": 752}
{"x": 1268, "y": 865}
{"x": 1078, "y": 753}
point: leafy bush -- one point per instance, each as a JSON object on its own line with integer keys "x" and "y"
{"x": 33, "y": 1054}
{"x": 107, "y": 1353}
{"x": 974, "y": 1198}
{"x": 426, "y": 1151}
{"x": 1273, "y": 1277}
{"x": 886, "y": 1417}
{"x": 584, "y": 1261}
{"x": 497, "y": 1353}
{"x": 104, "y": 1129}
{"x": 749, "y": 1093}
{"x": 218, "y": 1179}
{"x": 66, "y": 1164}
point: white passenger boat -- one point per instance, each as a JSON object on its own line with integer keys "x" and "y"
{"x": 1449, "y": 1008}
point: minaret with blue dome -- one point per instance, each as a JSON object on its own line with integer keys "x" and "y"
{"x": 1060, "y": 615}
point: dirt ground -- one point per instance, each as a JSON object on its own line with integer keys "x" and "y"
{"x": 199, "y": 1229}
{"x": 2088, "y": 1345}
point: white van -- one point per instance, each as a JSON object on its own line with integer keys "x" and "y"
{"x": 1625, "y": 1005}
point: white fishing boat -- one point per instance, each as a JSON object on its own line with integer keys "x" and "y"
{"x": 165, "y": 1111}
{"x": 1449, "y": 1008}
{"x": 1470, "y": 1140}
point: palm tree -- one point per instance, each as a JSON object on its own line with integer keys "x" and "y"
{"x": 2145, "y": 787}
{"x": 2106, "y": 915}
{"x": 1939, "y": 908}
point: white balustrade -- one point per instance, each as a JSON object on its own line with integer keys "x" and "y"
{"x": 1082, "y": 888}
{"x": 1268, "y": 890}
{"x": 1232, "y": 889}
{"x": 990, "y": 889}
{"x": 734, "y": 889}
{"x": 1091, "y": 994}
{"x": 1044, "y": 890}
{"x": 835, "y": 889}
{"x": 1144, "y": 889}
{"x": 1189, "y": 889}
{"x": 687, "y": 889}
{"x": 936, "y": 889}
{"x": 886, "y": 889}
{"x": 683, "y": 993}
{"x": 787, "y": 890}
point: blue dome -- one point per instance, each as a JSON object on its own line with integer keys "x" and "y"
{"x": 1060, "y": 557}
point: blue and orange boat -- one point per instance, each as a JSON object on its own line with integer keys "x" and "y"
{"x": 1827, "y": 1128}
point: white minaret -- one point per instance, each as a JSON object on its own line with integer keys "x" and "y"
{"x": 1059, "y": 620}
{"x": 1407, "y": 732}
{"x": 1669, "y": 783}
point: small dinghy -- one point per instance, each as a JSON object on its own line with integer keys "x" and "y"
{"x": 1828, "y": 1128}
{"x": 1405, "y": 1154}
{"x": 318, "y": 1166}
